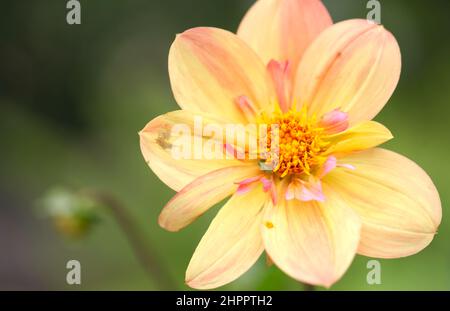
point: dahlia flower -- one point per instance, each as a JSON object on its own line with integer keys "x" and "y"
{"x": 328, "y": 192}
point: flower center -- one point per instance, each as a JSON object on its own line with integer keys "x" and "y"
{"x": 300, "y": 143}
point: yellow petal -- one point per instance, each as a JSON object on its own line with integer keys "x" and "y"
{"x": 362, "y": 136}
{"x": 396, "y": 200}
{"x": 156, "y": 146}
{"x": 313, "y": 242}
{"x": 232, "y": 243}
{"x": 211, "y": 68}
{"x": 197, "y": 197}
{"x": 283, "y": 29}
{"x": 353, "y": 65}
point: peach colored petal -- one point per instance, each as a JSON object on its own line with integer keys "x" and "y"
{"x": 334, "y": 122}
{"x": 396, "y": 200}
{"x": 310, "y": 190}
{"x": 247, "y": 107}
{"x": 282, "y": 29}
{"x": 329, "y": 165}
{"x": 232, "y": 243}
{"x": 280, "y": 74}
{"x": 353, "y": 65}
{"x": 362, "y": 136}
{"x": 312, "y": 242}
{"x": 211, "y": 68}
{"x": 267, "y": 184}
{"x": 234, "y": 151}
{"x": 201, "y": 194}
{"x": 156, "y": 147}
{"x": 292, "y": 189}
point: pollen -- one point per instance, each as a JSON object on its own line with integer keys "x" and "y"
{"x": 269, "y": 225}
{"x": 295, "y": 145}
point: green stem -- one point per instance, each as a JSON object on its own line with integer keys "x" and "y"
{"x": 143, "y": 251}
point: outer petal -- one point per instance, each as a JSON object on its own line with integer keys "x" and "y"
{"x": 211, "y": 68}
{"x": 282, "y": 29}
{"x": 156, "y": 146}
{"x": 232, "y": 243}
{"x": 362, "y": 136}
{"x": 353, "y": 65}
{"x": 310, "y": 241}
{"x": 205, "y": 191}
{"x": 397, "y": 202}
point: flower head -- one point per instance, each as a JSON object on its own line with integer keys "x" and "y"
{"x": 319, "y": 190}
{"x": 73, "y": 213}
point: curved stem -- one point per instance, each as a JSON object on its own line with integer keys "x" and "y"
{"x": 140, "y": 246}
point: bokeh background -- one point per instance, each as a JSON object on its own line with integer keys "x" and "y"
{"x": 72, "y": 99}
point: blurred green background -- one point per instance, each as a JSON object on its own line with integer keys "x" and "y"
{"x": 72, "y": 99}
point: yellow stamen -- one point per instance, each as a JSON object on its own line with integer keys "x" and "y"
{"x": 300, "y": 144}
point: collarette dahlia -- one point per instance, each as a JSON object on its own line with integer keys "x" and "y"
{"x": 327, "y": 192}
